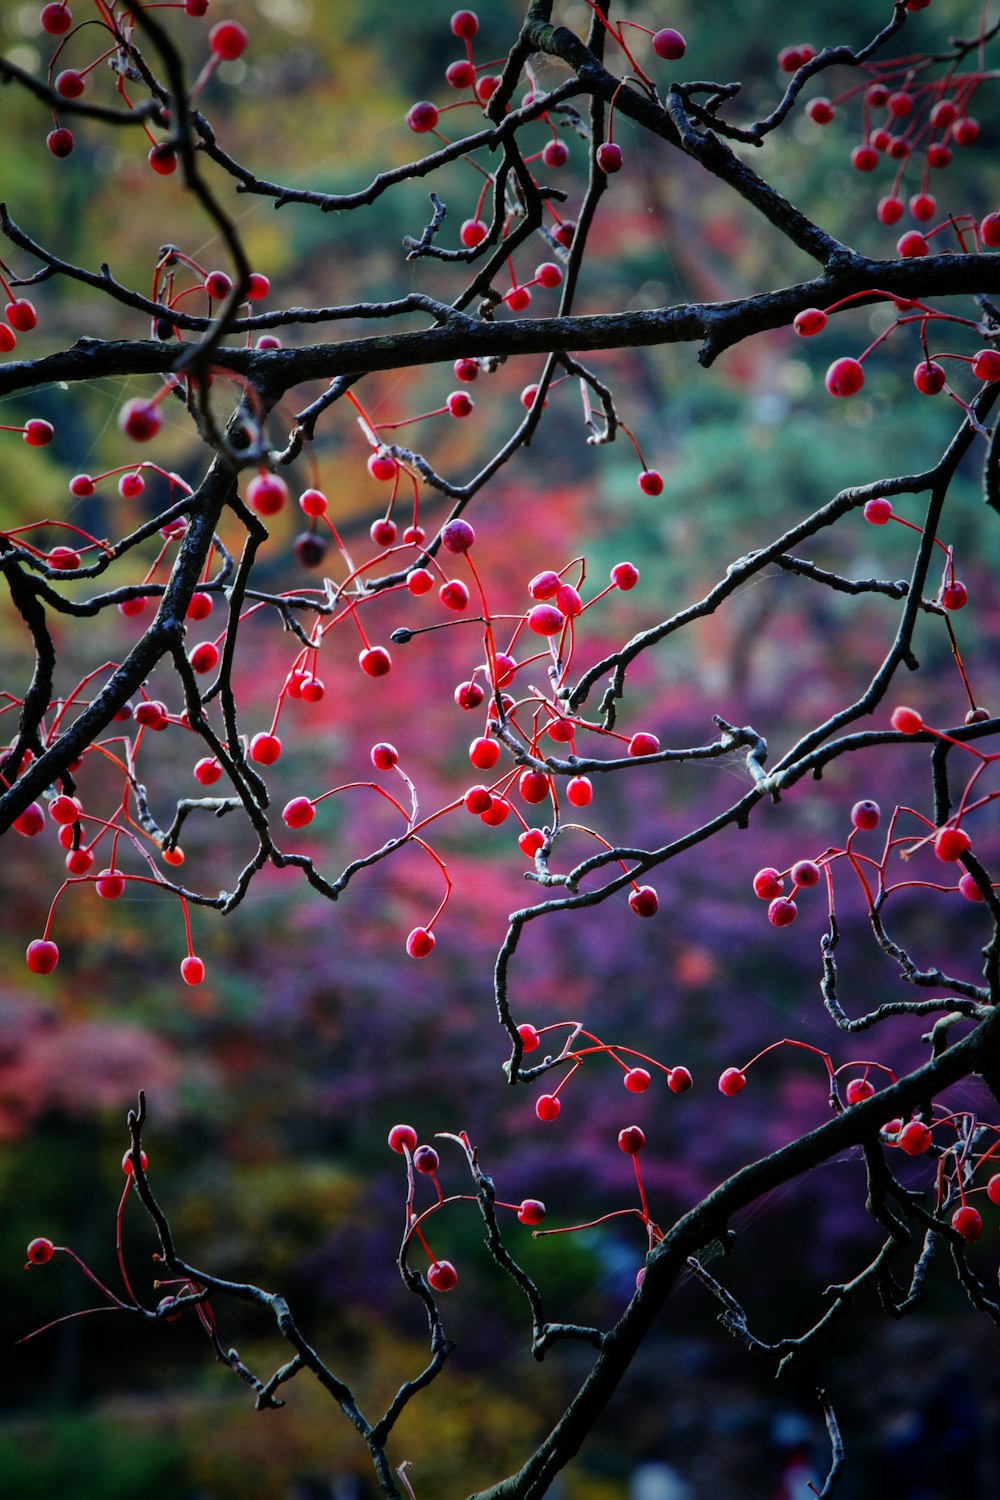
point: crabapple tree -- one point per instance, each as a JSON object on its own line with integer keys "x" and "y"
{"x": 237, "y": 408}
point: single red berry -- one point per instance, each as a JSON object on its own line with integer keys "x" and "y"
{"x": 402, "y": 1138}
{"x": 929, "y": 378}
{"x": 420, "y": 942}
{"x": 517, "y": 299}
{"x": 70, "y": 84}
{"x": 805, "y": 873}
{"x": 563, "y": 233}
{"x": 152, "y": 713}
{"x": 258, "y": 286}
{"x": 637, "y": 1080}
{"x": 890, "y": 210}
{"x": 993, "y": 1188}
{"x": 140, "y": 420}
{"x": 951, "y": 843}
{"x": 810, "y": 321}
{"x": 419, "y": 581}
{"x": 732, "y": 1082}
{"x": 530, "y": 1039}
{"x": 531, "y": 1211}
{"x": 64, "y": 559}
{"x": 877, "y": 95}
{"x": 922, "y": 206}
{"x": 40, "y": 1252}
{"x": 218, "y": 285}
{"x": 460, "y": 74}
{"x": 313, "y": 690}
{"x": 56, "y": 18}
{"x": 878, "y": 511}
{"x": 548, "y": 274}
{"x": 163, "y": 158}
{"x": 128, "y": 1166}
{"x": 562, "y": 731}
{"x": 60, "y": 142}
{"x": 782, "y": 911}
{"x": 631, "y": 1140}
{"x": 486, "y": 87}
{"x": 555, "y": 154}
{"x": 265, "y": 749}
{"x": 21, "y": 315}
{"x": 914, "y": 1138}
{"x": 968, "y": 1222}
{"x": 906, "y": 720}
{"x": 546, "y": 619}
{"x": 204, "y": 657}
{"x": 944, "y": 113}
{"x": 426, "y": 1159}
{"x": 484, "y": 753}
{"x": 469, "y": 695}
{"x": 82, "y": 486}
{"x": 228, "y": 40}
{"x": 545, "y": 585}
{"x": 384, "y": 756}
{"x": 38, "y": 433}
{"x": 669, "y": 44}
{"x": 442, "y": 1276}
{"x": 466, "y": 369}
{"x": 643, "y": 744}
{"x": 454, "y": 595}
{"x": 131, "y": 486}
{"x": 644, "y": 901}
{"x": 679, "y": 1080}
{"x": 820, "y": 111}
{"x": 199, "y": 606}
{"x": 31, "y": 822}
{"x": 299, "y": 812}
{"x": 472, "y": 233}
{"x": 414, "y": 536}
{"x": 460, "y": 404}
{"x": 110, "y": 885}
{"x": 624, "y": 576}
{"x": 965, "y": 131}
{"x": 267, "y": 493}
{"x": 529, "y": 395}
{"x": 864, "y": 158}
{"x": 477, "y": 800}
{"x": 533, "y": 786}
{"x": 7, "y": 339}
{"x": 207, "y": 771}
{"x": 457, "y": 535}
{"x": 989, "y": 231}
{"x": 530, "y": 841}
{"x": 845, "y": 377}
{"x": 911, "y": 245}
{"x": 375, "y": 661}
{"x": 986, "y": 365}
{"x": 192, "y": 970}
{"x": 383, "y": 532}
{"x": 580, "y": 792}
{"x": 865, "y": 815}
{"x": 568, "y": 600}
{"x": 64, "y": 810}
{"x": 382, "y": 466}
{"x": 42, "y": 956}
{"x": 422, "y": 117}
{"x": 858, "y": 1089}
{"x": 464, "y": 23}
{"x": 547, "y": 1107}
{"x": 651, "y": 482}
{"x": 609, "y": 157}
{"x": 496, "y": 813}
{"x": 767, "y": 884}
{"x": 954, "y": 595}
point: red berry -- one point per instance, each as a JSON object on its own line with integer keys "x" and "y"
{"x": 461, "y": 74}
{"x": 580, "y": 792}
{"x": 110, "y": 885}
{"x": 865, "y": 815}
{"x": 381, "y": 466}
{"x": 986, "y": 365}
{"x": 56, "y": 19}
{"x": 375, "y": 661}
{"x": 922, "y": 206}
{"x": 546, "y": 619}
{"x": 31, "y": 822}
{"x": 426, "y": 1159}
{"x": 477, "y": 800}
{"x": 422, "y": 117}
{"x": 419, "y": 943}
{"x": 40, "y": 1251}
{"x": 911, "y": 245}
{"x": 464, "y": 23}
{"x": 845, "y": 377}
{"x": 466, "y": 369}
{"x": 820, "y": 111}
{"x": 64, "y": 810}
{"x": 460, "y": 404}
{"x": 60, "y": 142}
{"x": 631, "y": 1140}
{"x": 782, "y": 911}
{"x": 555, "y": 154}
{"x": 878, "y": 510}
{"x": 651, "y": 482}
{"x": 472, "y": 233}
{"x": 914, "y": 1138}
{"x": 989, "y": 231}
{"x": 644, "y": 901}
{"x": 79, "y": 861}
{"x": 533, "y": 786}
{"x": 767, "y": 884}
{"x": 207, "y": 771}
{"x": 531, "y": 1211}
{"x": 609, "y": 157}
{"x": 951, "y": 843}
{"x": 548, "y": 274}
{"x": 64, "y": 559}
{"x": 486, "y": 87}
{"x": 228, "y": 40}
{"x": 128, "y": 1166}
{"x": 969, "y": 889}
{"x": 384, "y": 756}
{"x": 454, "y": 595}
{"x": 530, "y": 1039}
{"x": 545, "y": 585}
{"x": 131, "y": 486}
{"x": 805, "y": 873}
{"x": 140, "y": 420}
{"x": 267, "y": 493}
{"x": 563, "y": 233}
{"x": 383, "y": 532}
{"x": 258, "y": 287}
{"x": 732, "y": 1082}
{"x": 299, "y": 812}
{"x": 199, "y": 606}
{"x": 624, "y": 576}
{"x": 442, "y": 1276}
{"x": 810, "y": 321}
{"x": 968, "y": 1222}
{"x": 70, "y": 84}
{"x": 265, "y": 749}
{"x": 152, "y": 714}
{"x": 637, "y": 1080}
{"x": 469, "y": 695}
{"x": 679, "y": 1080}
{"x": 858, "y": 1089}
{"x": 929, "y": 378}
{"x": 965, "y": 132}
{"x": 204, "y": 657}
{"x": 568, "y": 600}
{"x": 643, "y": 744}
{"x": 419, "y": 581}
{"x": 669, "y": 44}
{"x": 517, "y": 299}
{"x": 42, "y": 956}
{"x": 458, "y": 535}
{"x": 530, "y": 841}
{"x": 484, "y": 753}
{"x": 547, "y": 1107}
{"x": 562, "y": 731}
{"x": 192, "y": 970}
{"x": 890, "y": 210}
{"x": 864, "y": 158}
{"x": 37, "y": 433}
{"x": 20, "y": 314}
{"x": 163, "y": 158}
{"x": 954, "y": 595}
{"x": 993, "y": 1188}
{"x": 402, "y": 1138}
{"x": 944, "y": 113}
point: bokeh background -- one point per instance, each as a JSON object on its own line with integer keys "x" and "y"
{"x": 271, "y": 1087}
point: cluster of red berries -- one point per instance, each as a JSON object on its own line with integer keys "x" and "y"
{"x": 635, "y": 1078}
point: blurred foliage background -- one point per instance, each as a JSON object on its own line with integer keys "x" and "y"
{"x": 272, "y": 1086}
